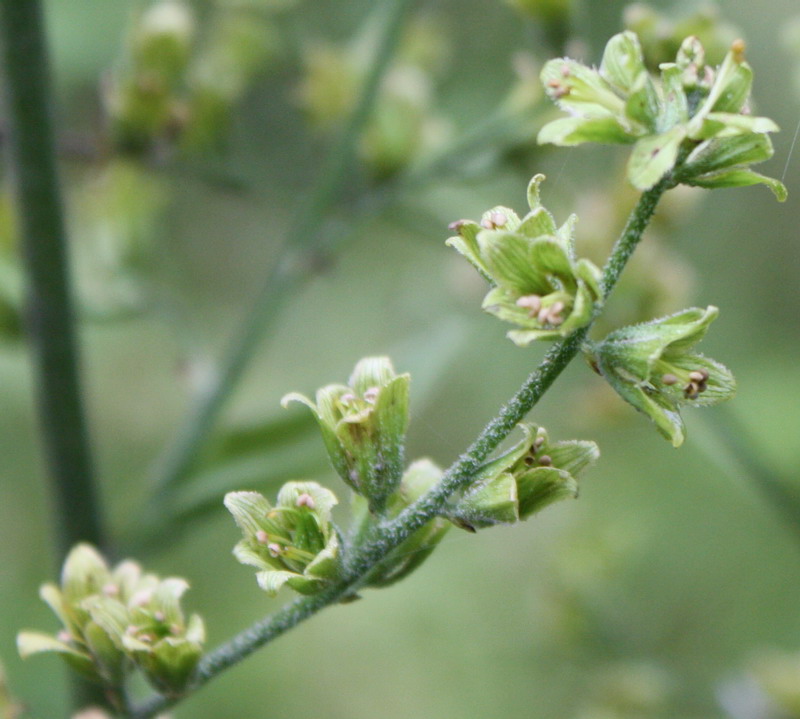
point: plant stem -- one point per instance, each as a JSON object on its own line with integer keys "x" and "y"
{"x": 297, "y": 256}
{"x": 49, "y": 317}
{"x": 386, "y": 536}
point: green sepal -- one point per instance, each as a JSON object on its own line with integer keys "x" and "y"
{"x": 643, "y": 103}
{"x": 653, "y": 157}
{"x": 30, "y": 643}
{"x": 739, "y": 178}
{"x": 493, "y": 501}
{"x": 722, "y": 153}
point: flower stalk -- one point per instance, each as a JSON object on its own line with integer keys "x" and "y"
{"x": 387, "y": 535}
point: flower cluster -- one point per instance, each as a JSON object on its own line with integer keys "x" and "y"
{"x": 115, "y": 619}
{"x": 293, "y": 542}
{"x": 695, "y": 113}
{"x": 539, "y": 284}
{"x": 652, "y": 367}
{"x": 363, "y": 425}
{"x": 524, "y": 480}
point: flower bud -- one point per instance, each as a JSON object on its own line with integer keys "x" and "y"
{"x": 292, "y": 543}
{"x": 524, "y": 480}
{"x": 115, "y": 619}
{"x": 363, "y": 426}
{"x": 421, "y": 476}
{"x": 651, "y": 366}
{"x": 538, "y": 283}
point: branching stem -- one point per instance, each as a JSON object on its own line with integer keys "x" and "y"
{"x": 388, "y": 535}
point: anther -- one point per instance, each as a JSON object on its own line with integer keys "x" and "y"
{"x": 499, "y": 219}
{"x": 669, "y": 379}
{"x": 538, "y": 442}
{"x": 111, "y": 590}
{"x": 371, "y": 394}
{"x": 64, "y": 636}
{"x": 262, "y": 537}
{"x": 528, "y": 460}
{"x": 533, "y": 303}
{"x": 457, "y": 225}
{"x": 305, "y": 500}
{"x": 159, "y": 616}
{"x": 698, "y": 375}
{"x": 347, "y": 398}
{"x": 691, "y": 391}
{"x": 545, "y": 460}
{"x": 274, "y": 549}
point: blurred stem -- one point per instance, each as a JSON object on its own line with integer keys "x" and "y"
{"x": 49, "y": 317}
{"x": 297, "y": 259}
{"x": 728, "y": 441}
{"x": 389, "y": 534}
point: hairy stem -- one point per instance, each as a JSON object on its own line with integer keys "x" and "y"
{"x": 49, "y": 318}
{"x": 296, "y": 258}
{"x": 386, "y": 536}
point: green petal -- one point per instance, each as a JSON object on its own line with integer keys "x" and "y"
{"x": 272, "y": 580}
{"x": 511, "y": 262}
{"x": 322, "y": 498}
{"x": 371, "y": 372}
{"x": 675, "y": 106}
{"x": 511, "y": 218}
{"x": 720, "y": 385}
{"x": 537, "y": 222}
{"x": 522, "y": 338}
{"x": 653, "y": 157}
{"x": 724, "y": 124}
{"x": 579, "y": 89}
{"x": 573, "y": 456}
{"x": 326, "y": 564}
{"x": 543, "y": 486}
{"x": 664, "y": 414}
{"x": 30, "y": 643}
{"x": 623, "y": 61}
{"x": 246, "y": 553}
{"x": 249, "y": 509}
{"x": 643, "y": 105}
{"x": 570, "y": 131}
{"x": 533, "y": 191}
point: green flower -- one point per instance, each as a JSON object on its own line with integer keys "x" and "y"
{"x": 652, "y": 367}
{"x": 115, "y": 619}
{"x": 521, "y": 482}
{"x": 292, "y": 543}
{"x": 420, "y": 477}
{"x": 539, "y": 284}
{"x": 363, "y": 425}
{"x": 693, "y": 112}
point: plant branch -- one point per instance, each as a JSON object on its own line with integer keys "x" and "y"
{"x": 388, "y": 535}
{"x": 49, "y": 313}
{"x": 296, "y": 261}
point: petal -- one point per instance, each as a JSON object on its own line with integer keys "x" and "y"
{"x": 570, "y": 131}
{"x": 579, "y": 89}
{"x": 543, "y": 486}
{"x": 249, "y": 509}
{"x": 623, "y": 61}
{"x": 371, "y": 372}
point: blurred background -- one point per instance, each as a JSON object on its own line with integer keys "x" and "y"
{"x": 669, "y": 589}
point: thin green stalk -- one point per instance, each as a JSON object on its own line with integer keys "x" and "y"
{"x": 297, "y": 258}
{"x": 49, "y": 317}
{"x": 389, "y": 535}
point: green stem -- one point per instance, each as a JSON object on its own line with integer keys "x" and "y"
{"x": 49, "y": 313}
{"x": 297, "y": 259}
{"x": 385, "y": 537}
{"x": 50, "y": 316}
